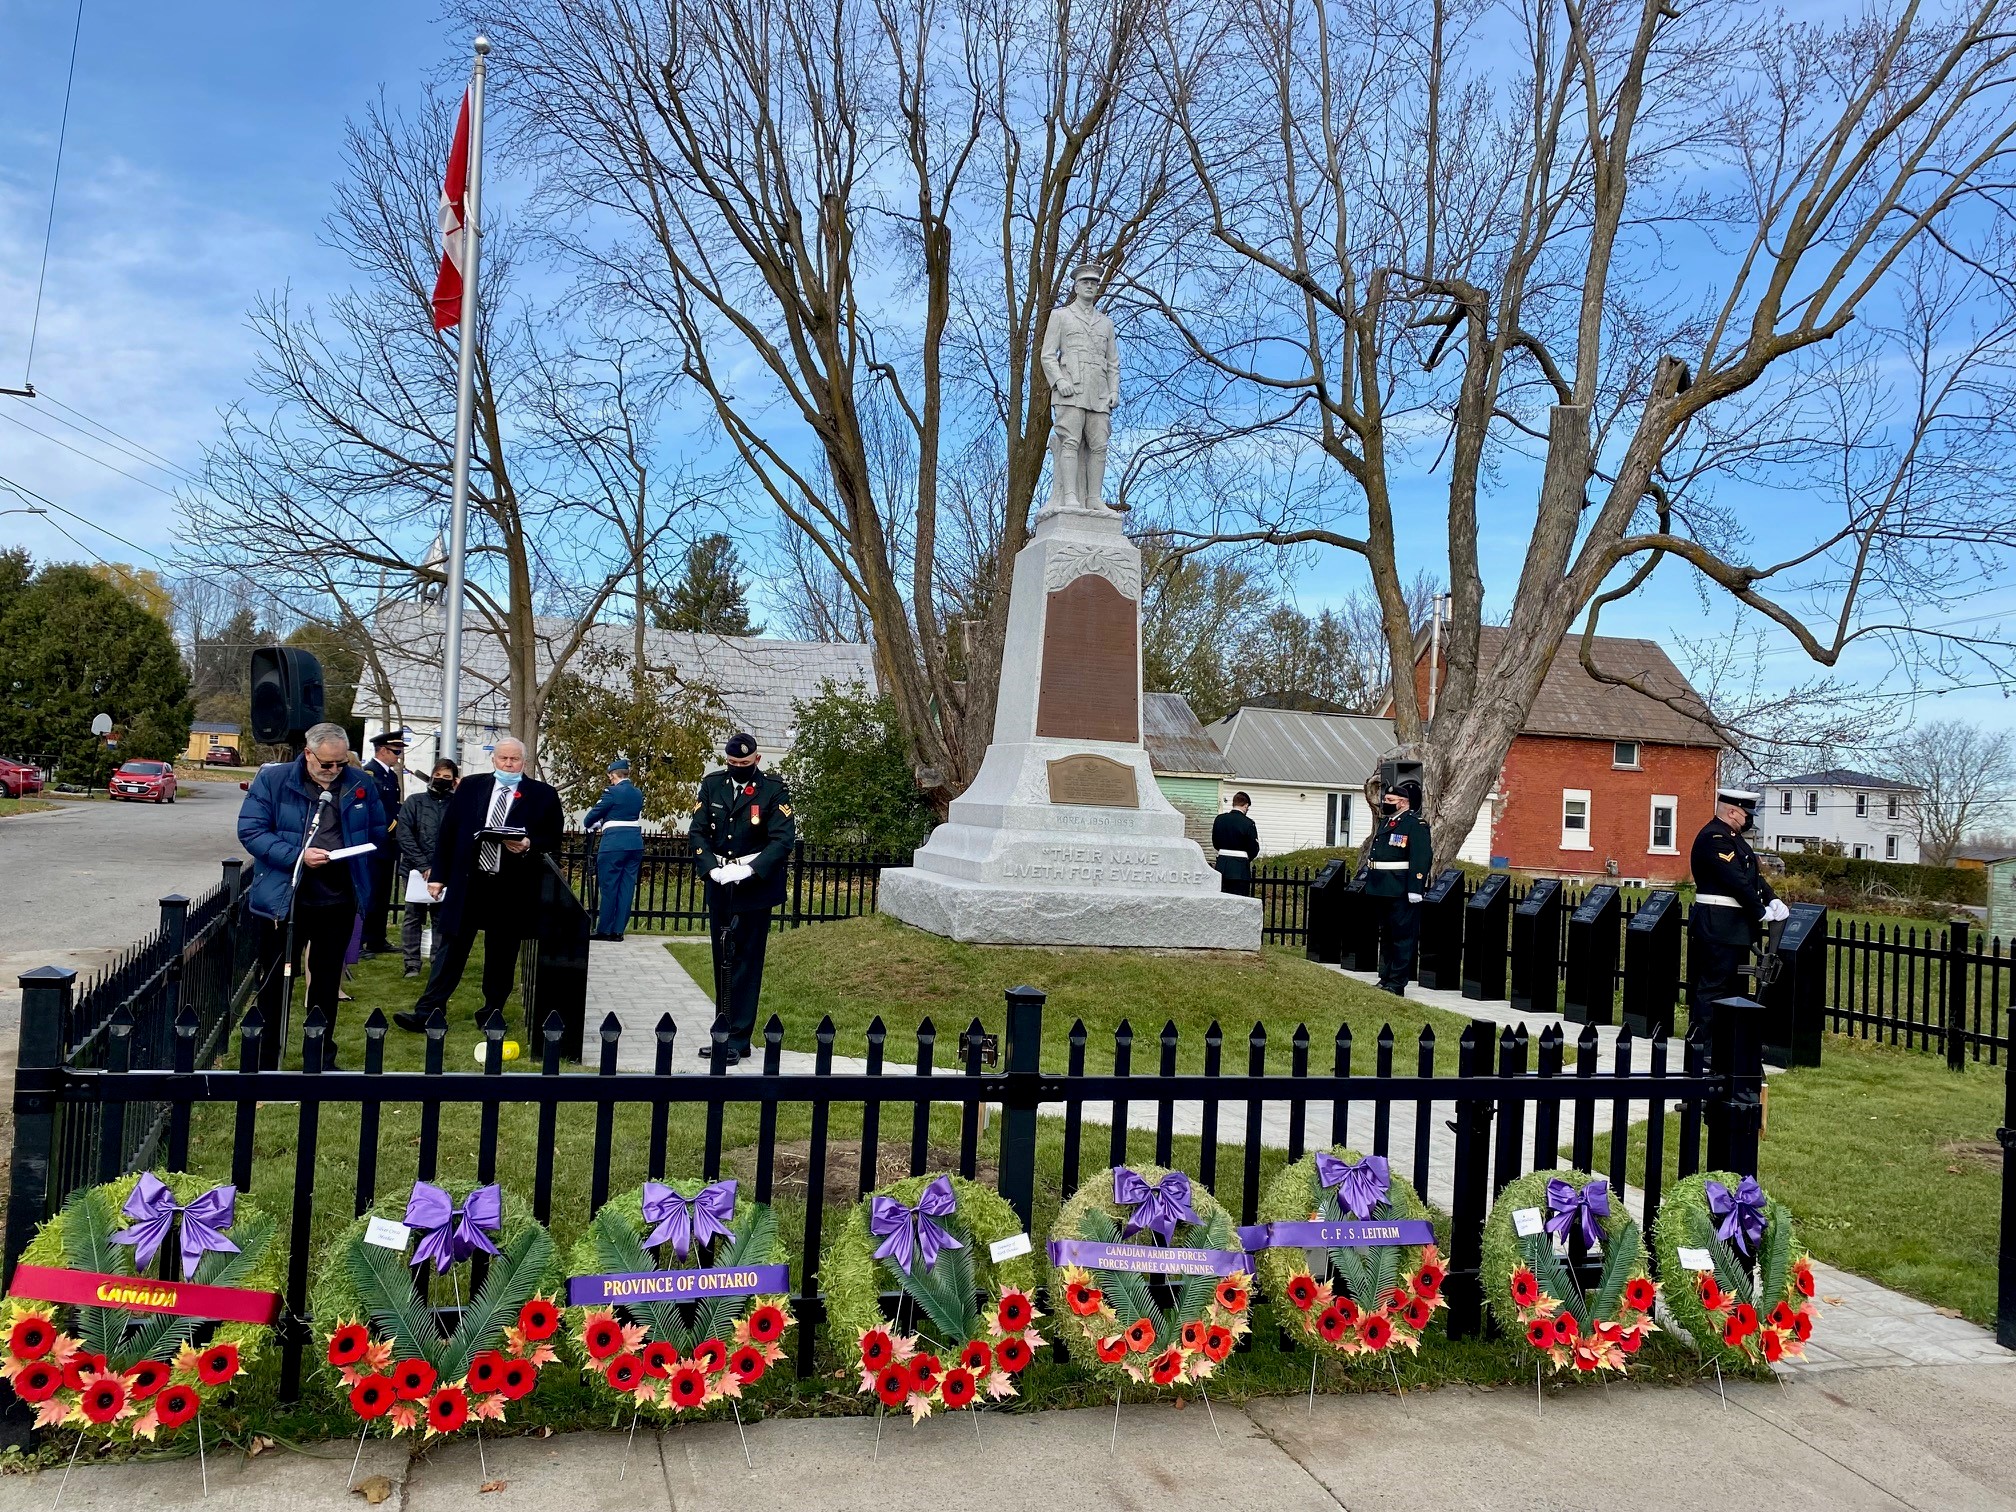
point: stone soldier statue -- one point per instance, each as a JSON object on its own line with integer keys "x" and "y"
{"x": 1081, "y": 359}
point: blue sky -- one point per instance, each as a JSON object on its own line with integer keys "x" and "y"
{"x": 202, "y": 144}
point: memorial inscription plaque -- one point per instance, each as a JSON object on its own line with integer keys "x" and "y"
{"x": 1094, "y": 781}
{"x": 1091, "y": 678}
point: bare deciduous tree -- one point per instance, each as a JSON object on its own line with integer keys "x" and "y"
{"x": 1969, "y": 778}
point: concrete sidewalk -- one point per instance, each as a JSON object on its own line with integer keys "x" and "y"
{"x": 1940, "y": 1438}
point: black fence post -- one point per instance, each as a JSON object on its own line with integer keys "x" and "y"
{"x": 1735, "y": 1113}
{"x": 1954, "y": 1015}
{"x": 1022, "y": 1067}
{"x": 1472, "y": 1181}
{"x": 174, "y": 938}
{"x": 45, "y": 1001}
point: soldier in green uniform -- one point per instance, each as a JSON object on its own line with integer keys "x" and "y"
{"x": 742, "y": 835}
{"x": 1399, "y": 858}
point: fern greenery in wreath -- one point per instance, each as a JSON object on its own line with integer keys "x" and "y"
{"x": 116, "y": 1372}
{"x": 1753, "y": 1303}
{"x": 1532, "y": 1284}
{"x": 1373, "y": 1298}
{"x": 929, "y": 1239}
{"x": 1118, "y": 1322}
{"x": 676, "y": 1357}
{"x": 388, "y": 1342}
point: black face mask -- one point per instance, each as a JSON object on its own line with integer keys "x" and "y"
{"x": 442, "y": 785}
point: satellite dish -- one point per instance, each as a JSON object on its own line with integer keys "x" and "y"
{"x": 101, "y": 724}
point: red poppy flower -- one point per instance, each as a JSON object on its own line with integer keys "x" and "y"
{"x": 486, "y": 1372}
{"x": 1013, "y": 1355}
{"x": 370, "y": 1398}
{"x": 448, "y": 1409}
{"x": 1566, "y": 1330}
{"x": 1217, "y": 1342}
{"x": 689, "y": 1387}
{"x": 625, "y": 1372}
{"x": 348, "y": 1344}
{"x": 1540, "y": 1333}
{"x": 1525, "y": 1288}
{"x": 1428, "y": 1280}
{"x": 767, "y": 1323}
{"x": 747, "y": 1365}
{"x": 1733, "y": 1334}
{"x": 602, "y": 1337}
{"x": 892, "y": 1385}
{"x": 1111, "y": 1351}
{"x": 1802, "y": 1273}
{"x": 976, "y": 1357}
{"x": 519, "y": 1377}
{"x": 924, "y": 1372}
{"x": 1418, "y": 1313}
{"x": 1168, "y": 1365}
{"x": 1640, "y": 1294}
{"x": 217, "y": 1364}
{"x": 1332, "y": 1324}
{"x": 1774, "y": 1345}
{"x": 958, "y": 1389}
{"x": 104, "y": 1399}
{"x": 1583, "y": 1360}
{"x": 38, "y": 1381}
{"x": 146, "y": 1378}
{"x": 1231, "y": 1295}
{"x": 1630, "y": 1339}
{"x": 1014, "y": 1312}
{"x": 1084, "y": 1300}
{"x": 1375, "y": 1331}
{"x": 1192, "y": 1336}
{"x": 1746, "y": 1316}
{"x": 1347, "y": 1307}
{"x": 877, "y": 1348}
{"x": 1140, "y": 1336}
{"x": 660, "y": 1359}
{"x": 31, "y": 1338}
{"x": 412, "y": 1379}
{"x": 1781, "y": 1318}
{"x": 538, "y": 1319}
{"x": 1302, "y": 1291}
{"x": 1711, "y": 1294}
{"x": 81, "y": 1364}
{"x": 710, "y": 1355}
{"x": 176, "y": 1405}
{"x": 1802, "y": 1326}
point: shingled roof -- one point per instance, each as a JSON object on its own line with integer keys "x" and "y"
{"x": 1573, "y": 703}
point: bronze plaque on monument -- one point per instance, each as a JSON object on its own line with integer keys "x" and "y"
{"x": 1094, "y": 781}
{"x": 1091, "y": 669}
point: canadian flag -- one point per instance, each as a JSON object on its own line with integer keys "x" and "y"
{"x": 451, "y": 214}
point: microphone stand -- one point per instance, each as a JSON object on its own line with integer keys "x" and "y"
{"x": 287, "y": 961}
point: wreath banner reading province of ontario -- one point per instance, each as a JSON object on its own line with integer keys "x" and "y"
{"x": 1534, "y": 1282}
{"x": 1737, "y": 1281}
{"x": 160, "y": 1291}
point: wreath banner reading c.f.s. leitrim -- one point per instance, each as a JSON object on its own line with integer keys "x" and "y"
{"x": 181, "y": 1299}
{"x": 1147, "y": 1259}
{"x": 678, "y": 1285}
{"x": 1319, "y": 1235}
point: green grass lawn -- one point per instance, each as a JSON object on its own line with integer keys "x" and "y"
{"x": 11, "y": 806}
{"x": 1889, "y": 1163}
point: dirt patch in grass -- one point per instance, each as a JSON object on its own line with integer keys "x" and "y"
{"x": 843, "y": 1167}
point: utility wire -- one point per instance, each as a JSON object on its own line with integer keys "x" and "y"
{"x": 55, "y": 179}
{"x": 45, "y": 395}
{"x": 129, "y": 449}
{"x": 87, "y": 456}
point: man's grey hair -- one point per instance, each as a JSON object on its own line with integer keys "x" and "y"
{"x": 509, "y": 740}
{"x": 326, "y": 734}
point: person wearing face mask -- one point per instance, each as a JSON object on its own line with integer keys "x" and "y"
{"x": 742, "y": 833}
{"x": 419, "y": 828}
{"x": 1400, "y": 853}
{"x": 1732, "y": 904}
{"x": 488, "y": 856}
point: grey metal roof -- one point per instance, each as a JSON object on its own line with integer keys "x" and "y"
{"x": 202, "y": 728}
{"x": 1289, "y": 745}
{"x": 1842, "y": 777}
{"x": 1176, "y": 742}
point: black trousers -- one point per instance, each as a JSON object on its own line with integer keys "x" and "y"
{"x": 1712, "y": 972}
{"x": 322, "y": 934}
{"x": 1399, "y": 934}
{"x": 451, "y": 958}
{"x": 383, "y": 865}
{"x": 1235, "y": 877}
{"x": 741, "y": 937}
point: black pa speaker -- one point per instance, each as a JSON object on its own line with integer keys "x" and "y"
{"x": 286, "y": 694}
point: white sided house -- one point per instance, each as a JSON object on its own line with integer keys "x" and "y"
{"x": 1868, "y": 818}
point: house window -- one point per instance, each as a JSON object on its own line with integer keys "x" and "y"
{"x": 1889, "y": 847}
{"x": 1337, "y": 824}
{"x": 1626, "y": 754}
{"x": 1785, "y": 801}
{"x": 1664, "y": 807}
{"x": 1861, "y": 853}
{"x": 1861, "y": 805}
{"x": 1575, "y": 819}
{"x": 1893, "y": 805}
{"x": 1812, "y": 803}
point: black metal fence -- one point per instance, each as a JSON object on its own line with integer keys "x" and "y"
{"x": 822, "y": 884}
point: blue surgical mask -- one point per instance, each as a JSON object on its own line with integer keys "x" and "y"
{"x": 508, "y": 779}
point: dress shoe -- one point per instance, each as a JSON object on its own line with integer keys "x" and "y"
{"x": 729, "y": 1055}
{"x": 412, "y": 971}
{"x": 410, "y": 1020}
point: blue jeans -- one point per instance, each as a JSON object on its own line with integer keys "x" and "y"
{"x": 616, "y": 876}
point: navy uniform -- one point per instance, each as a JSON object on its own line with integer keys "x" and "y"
{"x": 1237, "y": 840}
{"x": 618, "y": 816}
{"x": 1732, "y": 903}
{"x": 386, "y": 752}
{"x": 742, "y": 823}
{"x": 1399, "y": 855}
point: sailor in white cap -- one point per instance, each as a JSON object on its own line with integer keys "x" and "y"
{"x": 1732, "y": 904}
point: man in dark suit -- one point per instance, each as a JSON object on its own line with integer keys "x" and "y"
{"x": 1732, "y": 904}
{"x": 742, "y": 834}
{"x": 488, "y": 884}
{"x": 386, "y": 768}
{"x": 1237, "y": 840}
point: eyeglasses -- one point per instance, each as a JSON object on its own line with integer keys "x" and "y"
{"x": 326, "y": 766}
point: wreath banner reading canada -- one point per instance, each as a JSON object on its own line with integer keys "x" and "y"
{"x": 95, "y": 1342}
{"x": 1738, "y": 1282}
{"x": 1541, "y": 1232}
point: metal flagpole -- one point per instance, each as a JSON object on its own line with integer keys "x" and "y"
{"x": 449, "y": 744}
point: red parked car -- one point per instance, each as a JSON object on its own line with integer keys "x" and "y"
{"x": 17, "y": 779}
{"x": 151, "y": 781}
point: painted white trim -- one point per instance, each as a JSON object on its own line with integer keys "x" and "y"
{"x": 1672, "y": 803}
{"x": 1577, "y": 840}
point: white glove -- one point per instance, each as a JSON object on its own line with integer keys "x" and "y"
{"x": 1774, "y": 911}
{"x": 719, "y": 876}
{"x": 737, "y": 872}
{"x": 1413, "y": 897}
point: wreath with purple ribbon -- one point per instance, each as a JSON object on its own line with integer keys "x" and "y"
{"x": 1578, "y": 1289}
{"x": 1753, "y": 1304}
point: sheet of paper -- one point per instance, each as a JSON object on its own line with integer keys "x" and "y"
{"x": 386, "y": 1234}
{"x": 416, "y": 887}
{"x": 1009, "y": 1248}
{"x": 1696, "y": 1259}
{"x": 1526, "y": 1222}
{"x": 352, "y": 850}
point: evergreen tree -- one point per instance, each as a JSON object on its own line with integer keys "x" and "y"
{"x": 711, "y": 597}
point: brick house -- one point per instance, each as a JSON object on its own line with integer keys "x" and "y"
{"x": 1602, "y": 781}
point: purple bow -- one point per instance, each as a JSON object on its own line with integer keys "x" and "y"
{"x": 152, "y": 1207}
{"x": 1566, "y": 1202}
{"x": 1739, "y": 1215}
{"x": 1157, "y": 1209}
{"x": 688, "y": 1221}
{"x": 453, "y": 1233}
{"x": 1360, "y": 1185}
{"x": 907, "y": 1232}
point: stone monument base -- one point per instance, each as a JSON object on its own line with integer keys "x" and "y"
{"x": 992, "y": 913}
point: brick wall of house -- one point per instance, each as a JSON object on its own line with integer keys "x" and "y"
{"x": 1539, "y": 768}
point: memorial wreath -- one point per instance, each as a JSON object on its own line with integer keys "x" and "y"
{"x": 933, "y": 1239}
{"x": 1748, "y": 1287}
{"x": 1380, "y": 1294}
{"x": 678, "y": 1340}
{"x": 381, "y": 1333}
{"x": 1540, "y": 1227}
{"x": 130, "y": 1362}
{"x": 1102, "y": 1272}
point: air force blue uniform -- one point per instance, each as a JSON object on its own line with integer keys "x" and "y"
{"x": 618, "y": 816}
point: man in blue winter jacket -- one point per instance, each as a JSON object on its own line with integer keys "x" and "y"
{"x": 618, "y": 816}
{"x": 294, "y": 815}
